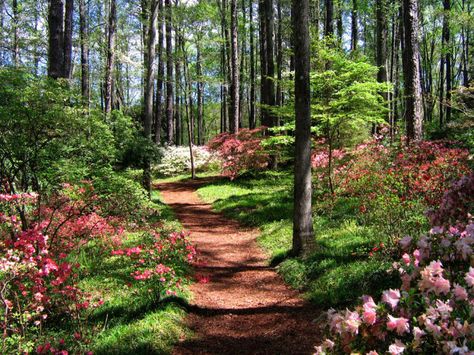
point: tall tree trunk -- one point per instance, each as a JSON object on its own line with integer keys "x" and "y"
{"x": 267, "y": 65}
{"x": 329, "y": 21}
{"x": 161, "y": 73}
{"x": 224, "y": 66}
{"x": 109, "y": 68}
{"x": 448, "y": 55}
{"x": 179, "y": 89}
{"x": 16, "y": 33}
{"x": 243, "y": 51}
{"x": 56, "y": 38}
{"x": 381, "y": 39}
{"x": 279, "y": 93}
{"x": 234, "y": 88}
{"x": 68, "y": 28}
{"x": 354, "y": 26}
{"x": 381, "y": 43}
{"x": 340, "y": 28}
{"x": 252, "y": 122}
{"x": 169, "y": 73}
{"x": 303, "y": 235}
{"x": 411, "y": 71}
{"x": 465, "y": 48}
{"x": 200, "y": 95}
{"x": 149, "y": 89}
{"x": 84, "y": 36}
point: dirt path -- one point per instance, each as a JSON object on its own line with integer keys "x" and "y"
{"x": 240, "y": 305}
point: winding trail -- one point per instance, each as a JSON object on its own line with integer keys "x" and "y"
{"x": 240, "y": 305}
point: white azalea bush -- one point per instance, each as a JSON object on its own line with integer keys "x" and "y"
{"x": 176, "y": 160}
{"x": 433, "y": 310}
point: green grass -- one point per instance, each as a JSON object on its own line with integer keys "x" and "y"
{"x": 339, "y": 271}
{"x": 131, "y": 320}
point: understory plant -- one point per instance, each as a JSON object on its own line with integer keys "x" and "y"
{"x": 433, "y": 309}
{"x": 241, "y": 152}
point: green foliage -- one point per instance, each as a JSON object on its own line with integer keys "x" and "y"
{"x": 340, "y": 270}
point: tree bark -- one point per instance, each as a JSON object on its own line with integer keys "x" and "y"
{"x": 84, "y": 37}
{"x": 267, "y": 65}
{"x": 68, "y": 29}
{"x": 329, "y": 22}
{"x": 179, "y": 89}
{"x": 234, "y": 88}
{"x": 303, "y": 235}
{"x": 56, "y": 38}
{"x": 252, "y": 122}
{"x": 149, "y": 89}
{"x": 169, "y": 73}
{"x": 16, "y": 33}
{"x": 354, "y": 26}
{"x": 109, "y": 77}
{"x": 200, "y": 95}
{"x": 159, "y": 80}
{"x": 411, "y": 71}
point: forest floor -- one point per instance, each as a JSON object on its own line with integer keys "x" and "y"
{"x": 240, "y": 304}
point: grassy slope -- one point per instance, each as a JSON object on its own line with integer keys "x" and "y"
{"x": 339, "y": 271}
{"x": 131, "y": 321}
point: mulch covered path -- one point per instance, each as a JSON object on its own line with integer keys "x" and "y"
{"x": 240, "y": 305}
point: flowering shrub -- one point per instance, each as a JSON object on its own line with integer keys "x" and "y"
{"x": 157, "y": 261}
{"x": 394, "y": 186}
{"x": 36, "y": 280}
{"x": 457, "y": 202}
{"x": 432, "y": 312}
{"x": 240, "y": 152}
{"x": 176, "y": 160}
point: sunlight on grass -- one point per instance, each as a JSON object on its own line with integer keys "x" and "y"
{"x": 339, "y": 271}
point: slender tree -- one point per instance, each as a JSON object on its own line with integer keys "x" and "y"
{"x": 16, "y": 33}
{"x": 169, "y": 73}
{"x": 55, "y": 48}
{"x": 200, "y": 93}
{"x": 411, "y": 71}
{"x": 303, "y": 235}
{"x": 149, "y": 89}
{"x": 84, "y": 37}
{"x": 252, "y": 122}
{"x": 329, "y": 21}
{"x": 234, "y": 88}
{"x": 354, "y": 26}
{"x": 161, "y": 73}
{"x": 110, "y": 64}
{"x": 68, "y": 29}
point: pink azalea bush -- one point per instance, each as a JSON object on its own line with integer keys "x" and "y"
{"x": 433, "y": 309}
{"x": 240, "y": 152}
{"x": 37, "y": 279}
{"x": 41, "y": 241}
{"x": 157, "y": 260}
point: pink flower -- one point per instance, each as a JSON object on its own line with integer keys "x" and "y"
{"x": 391, "y": 297}
{"x": 432, "y": 279}
{"x": 372, "y": 352}
{"x": 417, "y": 257}
{"x": 370, "y": 313}
{"x": 432, "y": 328}
{"x": 352, "y": 322}
{"x": 418, "y": 333}
{"x": 397, "y": 348}
{"x": 406, "y": 259}
{"x": 401, "y": 325}
{"x": 470, "y": 277}
{"x": 460, "y": 293}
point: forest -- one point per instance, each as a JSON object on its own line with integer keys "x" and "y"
{"x": 237, "y": 177}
